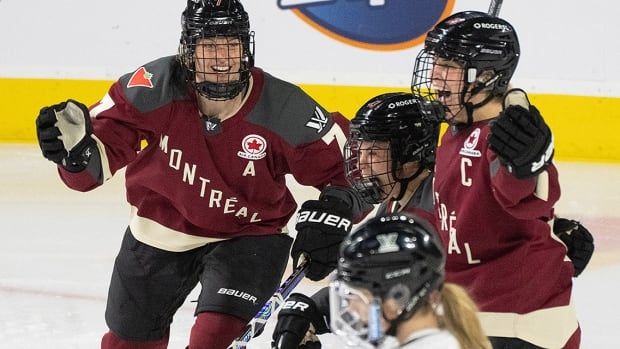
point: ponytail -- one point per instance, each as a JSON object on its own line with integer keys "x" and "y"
{"x": 460, "y": 318}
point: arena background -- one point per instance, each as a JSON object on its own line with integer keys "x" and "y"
{"x": 54, "y": 50}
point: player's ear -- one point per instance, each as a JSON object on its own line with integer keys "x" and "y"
{"x": 485, "y": 77}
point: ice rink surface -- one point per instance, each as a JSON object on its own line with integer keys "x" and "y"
{"x": 57, "y": 249}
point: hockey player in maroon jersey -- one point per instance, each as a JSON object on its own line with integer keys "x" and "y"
{"x": 389, "y": 157}
{"x": 391, "y": 147}
{"x": 208, "y": 197}
{"x": 390, "y": 153}
{"x": 495, "y": 185}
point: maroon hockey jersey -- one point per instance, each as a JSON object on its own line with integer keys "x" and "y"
{"x": 500, "y": 247}
{"x": 188, "y": 187}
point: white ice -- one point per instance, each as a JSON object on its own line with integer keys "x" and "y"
{"x": 57, "y": 249}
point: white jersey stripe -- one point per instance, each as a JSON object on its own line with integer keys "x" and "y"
{"x": 105, "y": 164}
{"x": 547, "y": 328}
{"x": 335, "y": 132}
{"x": 106, "y": 103}
{"x": 154, "y": 234}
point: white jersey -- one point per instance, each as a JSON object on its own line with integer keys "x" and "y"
{"x": 433, "y": 338}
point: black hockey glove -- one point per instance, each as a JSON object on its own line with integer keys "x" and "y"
{"x": 522, "y": 139}
{"x": 321, "y": 226}
{"x": 578, "y": 240}
{"x": 298, "y": 323}
{"x": 64, "y": 133}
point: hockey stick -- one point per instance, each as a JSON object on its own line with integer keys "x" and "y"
{"x": 494, "y": 7}
{"x": 257, "y": 324}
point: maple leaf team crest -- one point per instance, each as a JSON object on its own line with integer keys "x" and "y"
{"x": 254, "y": 147}
{"x": 469, "y": 146}
{"x": 140, "y": 78}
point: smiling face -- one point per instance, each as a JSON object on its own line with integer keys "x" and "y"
{"x": 218, "y": 59}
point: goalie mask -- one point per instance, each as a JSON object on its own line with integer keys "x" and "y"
{"x": 468, "y": 58}
{"x": 387, "y": 133}
{"x": 386, "y": 271}
{"x": 217, "y": 47}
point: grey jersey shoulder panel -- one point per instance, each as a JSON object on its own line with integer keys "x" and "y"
{"x": 168, "y": 86}
{"x": 423, "y": 196}
{"x": 289, "y": 112}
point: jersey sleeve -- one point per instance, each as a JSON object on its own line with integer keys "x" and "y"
{"x": 319, "y": 162}
{"x": 310, "y": 139}
{"x": 131, "y": 111}
{"x": 529, "y": 198}
{"x": 117, "y": 135}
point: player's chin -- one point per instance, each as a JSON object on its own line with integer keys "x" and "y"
{"x": 455, "y": 120}
{"x": 455, "y": 115}
{"x": 228, "y": 77}
{"x": 216, "y": 78}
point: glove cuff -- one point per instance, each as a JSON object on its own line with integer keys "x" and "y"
{"x": 80, "y": 155}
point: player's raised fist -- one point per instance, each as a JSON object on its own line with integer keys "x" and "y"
{"x": 64, "y": 133}
{"x": 521, "y": 138}
{"x": 578, "y": 240}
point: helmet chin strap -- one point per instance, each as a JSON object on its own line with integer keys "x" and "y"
{"x": 404, "y": 182}
{"x": 470, "y": 107}
{"x": 222, "y": 91}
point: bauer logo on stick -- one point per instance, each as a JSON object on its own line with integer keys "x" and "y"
{"x": 371, "y": 24}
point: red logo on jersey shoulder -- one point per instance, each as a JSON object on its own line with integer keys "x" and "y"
{"x": 254, "y": 147}
{"x": 140, "y": 78}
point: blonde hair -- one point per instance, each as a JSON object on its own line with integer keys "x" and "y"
{"x": 459, "y": 317}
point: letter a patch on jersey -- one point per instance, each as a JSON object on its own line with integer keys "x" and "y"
{"x": 140, "y": 78}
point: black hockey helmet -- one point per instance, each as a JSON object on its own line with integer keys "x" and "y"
{"x": 212, "y": 19}
{"x": 400, "y": 124}
{"x": 396, "y": 258}
{"x": 486, "y": 47}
